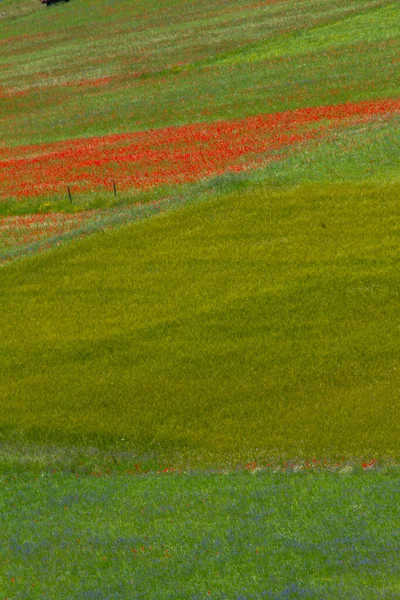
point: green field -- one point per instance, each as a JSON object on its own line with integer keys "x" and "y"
{"x": 231, "y": 338}
{"x": 185, "y": 62}
{"x": 266, "y": 535}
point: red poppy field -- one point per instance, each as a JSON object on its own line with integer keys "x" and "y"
{"x": 173, "y": 155}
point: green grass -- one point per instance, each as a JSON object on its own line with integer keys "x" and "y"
{"x": 255, "y": 323}
{"x": 239, "y": 60}
{"x": 349, "y": 31}
{"x": 260, "y": 535}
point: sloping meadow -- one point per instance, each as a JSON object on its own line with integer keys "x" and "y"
{"x": 199, "y": 299}
{"x": 112, "y": 114}
{"x": 124, "y": 178}
{"x": 108, "y": 108}
{"x": 256, "y": 322}
{"x": 118, "y": 114}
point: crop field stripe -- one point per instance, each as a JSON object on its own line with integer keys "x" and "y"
{"x": 259, "y": 321}
{"x": 348, "y": 152}
{"x": 200, "y": 535}
{"x": 170, "y": 155}
{"x": 165, "y": 69}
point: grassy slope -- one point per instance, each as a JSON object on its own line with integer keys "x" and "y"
{"x": 256, "y": 324}
{"x": 260, "y": 323}
{"x": 240, "y": 59}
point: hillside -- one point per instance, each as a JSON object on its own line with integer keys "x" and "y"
{"x": 252, "y": 311}
{"x": 199, "y": 299}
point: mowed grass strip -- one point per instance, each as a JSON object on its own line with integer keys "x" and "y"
{"x": 261, "y": 323}
{"x": 222, "y": 536}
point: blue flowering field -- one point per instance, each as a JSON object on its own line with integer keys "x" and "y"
{"x": 222, "y": 535}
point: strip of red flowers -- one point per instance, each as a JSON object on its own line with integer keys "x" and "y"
{"x": 172, "y": 155}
